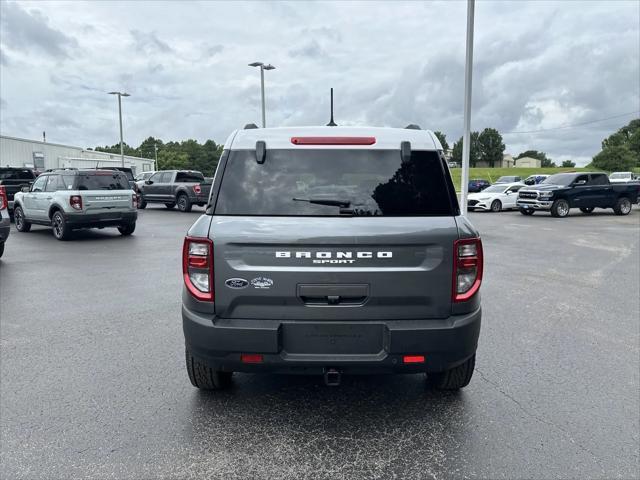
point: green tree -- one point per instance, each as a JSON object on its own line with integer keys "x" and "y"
{"x": 116, "y": 149}
{"x": 628, "y": 136}
{"x": 443, "y": 140}
{"x": 615, "y": 157}
{"x": 474, "y": 153}
{"x": 491, "y": 146}
{"x": 568, "y": 163}
{"x": 544, "y": 160}
{"x": 172, "y": 160}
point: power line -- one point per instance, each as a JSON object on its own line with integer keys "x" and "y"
{"x": 562, "y": 127}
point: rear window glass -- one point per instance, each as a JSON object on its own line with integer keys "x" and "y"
{"x": 100, "y": 181}
{"x": 334, "y": 182}
{"x": 188, "y": 177}
{"x": 16, "y": 174}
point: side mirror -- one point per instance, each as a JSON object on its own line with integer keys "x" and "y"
{"x": 148, "y": 182}
{"x": 25, "y": 188}
{"x": 509, "y": 192}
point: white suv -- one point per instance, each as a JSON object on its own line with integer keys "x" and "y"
{"x": 71, "y": 199}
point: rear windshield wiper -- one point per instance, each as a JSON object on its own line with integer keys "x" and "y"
{"x": 323, "y": 201}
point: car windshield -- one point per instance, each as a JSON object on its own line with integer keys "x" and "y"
{"x": 494, "y": 189}
{"x": 101, "y": 181}
{"x": 560, "y": 179}
{"x": 334, "y": 182}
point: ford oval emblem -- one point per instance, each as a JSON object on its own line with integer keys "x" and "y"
{"x": 236, "y": 283}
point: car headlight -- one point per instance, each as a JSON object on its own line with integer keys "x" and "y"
{"x": 546, "y": 194}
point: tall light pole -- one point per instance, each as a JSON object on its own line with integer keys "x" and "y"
{"x": 466, "y": 138}
{"x": 263, "y": 67}
{"x": 155, "y": 147}
{"x": 120, "y": 95}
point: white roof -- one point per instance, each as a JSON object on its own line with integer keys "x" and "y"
{"x": 385, "y": 138}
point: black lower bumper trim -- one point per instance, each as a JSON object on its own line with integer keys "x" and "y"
{"x": 444, "y": 343}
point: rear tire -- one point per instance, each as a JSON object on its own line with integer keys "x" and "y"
{"x": 454, "y": 378}
{"x": 21, "y": 223}
{"x": 560, "y": 208}
{"x": 527, "y": 212}
{"x": 623, "y": 206}
{"x": 170, "y": 205}
{"x": 127, "y": 229}
{"x": 142, "y": 204}
{"x": 1, "y": 248}
{"x": 496, "y": 206}
{"x": 184, "y": 204}
{"x": 59, "y": 225}
{"x": 204, "y": 377}
{"x": 587, "y": 210}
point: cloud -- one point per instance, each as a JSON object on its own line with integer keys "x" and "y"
{"x": 24, "y": 31}
{"x": 148, "y": 42}
{"x": 536, "y": 65}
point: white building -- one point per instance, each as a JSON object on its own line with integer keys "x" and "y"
{"x": 20, "y": 152}
{"x": 528, "y": 162}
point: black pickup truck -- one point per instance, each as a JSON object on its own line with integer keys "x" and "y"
{"x": 12, "y": 178}
{"x": 587, "y": 191}
{"x": 184, "y": 188}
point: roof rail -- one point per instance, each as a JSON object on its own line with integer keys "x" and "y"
{"x": 60, "y": 168}
{"x": 413, "y": 126}
{"x": 250, "y": 126}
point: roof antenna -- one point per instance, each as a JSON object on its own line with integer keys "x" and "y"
{"x": 331, "y": 122}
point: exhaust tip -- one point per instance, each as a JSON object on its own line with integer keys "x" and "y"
{"x": 332, "y": 377}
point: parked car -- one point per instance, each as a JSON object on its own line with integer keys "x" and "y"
{"x": 184, "y": 188}
{"x": 508, "y": 179}
{"x": 479, "y": 184}
{"x": 622, "y": 177}
{"x": 535, "y": 179}
{"x": 71, "y": 199}
{"x": 5, "y": 221}
{"x": 13, "y": 178}
{"x": 498, "y": 197}
{"x": 453, "y": 165}
{"x": 360, "y": 283}
{"x": 586, "y": 191}
{"x": 141, "y": 177}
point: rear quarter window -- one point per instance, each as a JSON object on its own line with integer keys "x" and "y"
{"x": 359, "y": 183}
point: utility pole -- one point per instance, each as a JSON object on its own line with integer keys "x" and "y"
{"x": 466, "y": 138}
{"x": 155, "y": 147}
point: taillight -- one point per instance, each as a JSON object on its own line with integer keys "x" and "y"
{"x": 76, "y": 202}
{"x": 134, "y": 200}
{"x": 3, "y": 198}
{"x": 467, "y": 268}
{"x": 197, "y": 189}
{"x": 197, "y": 267}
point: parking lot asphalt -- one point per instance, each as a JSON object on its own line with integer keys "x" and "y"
{"x": 93, "y": 383}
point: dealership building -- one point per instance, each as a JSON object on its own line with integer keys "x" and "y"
{"x": 20, "y": 152}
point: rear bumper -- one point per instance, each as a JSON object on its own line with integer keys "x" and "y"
{"x": 309, "y": 347}
{"x": 106, "y": 219}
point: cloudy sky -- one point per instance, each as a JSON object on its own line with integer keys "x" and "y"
{"x": 537, "y": 66}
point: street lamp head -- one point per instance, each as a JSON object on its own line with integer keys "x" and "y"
{"x": 256, "y": 64}
{"x": 269, "y": 67}
{"x": 113, "y": 93}
{"x": 125, "y": 94}
{"x": 120, "y": 93}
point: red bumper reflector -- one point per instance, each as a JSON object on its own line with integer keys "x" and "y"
{"x": 413, "y": 359}
{"x": 251, "y": 358}
{"x": 333, "y": 140}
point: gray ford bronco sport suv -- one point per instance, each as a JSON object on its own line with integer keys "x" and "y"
{"x": 332, "y": 250}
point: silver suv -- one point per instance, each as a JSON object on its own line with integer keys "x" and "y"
{"x": 71, "y": 199}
